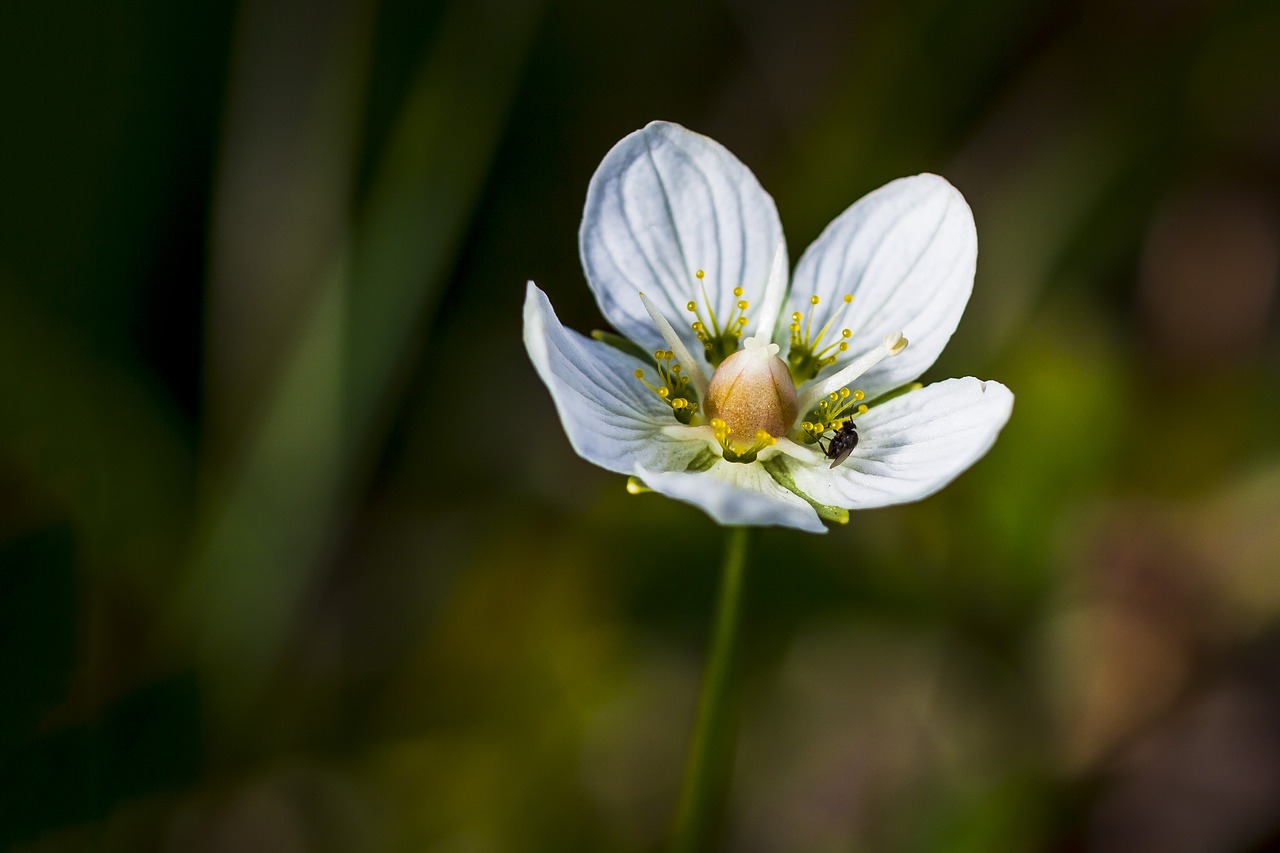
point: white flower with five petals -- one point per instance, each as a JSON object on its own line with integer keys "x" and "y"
{"x": 732, "y": 391}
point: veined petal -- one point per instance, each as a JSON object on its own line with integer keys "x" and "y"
{"x": 912, "y": 446}
{"x": 610, "y": 417}
{"x": 665, "y": 203}
{"x": 734, "y": 493}
{"x": 907, "y": 253}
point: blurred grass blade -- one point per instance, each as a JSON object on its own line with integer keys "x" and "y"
{"x": 283, "y": 196}
{"x": 270, "y": 524}
{"x": 425, "y": 190}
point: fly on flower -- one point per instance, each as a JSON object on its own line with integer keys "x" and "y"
{"x": 728, "y": 389}
{"x": 841, "y": 445}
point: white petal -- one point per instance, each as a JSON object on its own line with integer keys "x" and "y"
{"x": 907, "y": 253}
{"x": 913, "y": 445}
{"x": 610, "y": 417}
{"x": 734, "y": 493}
{"x": 664, "y": 203}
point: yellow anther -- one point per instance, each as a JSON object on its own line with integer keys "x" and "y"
{"x": 808, "y": 355}
{"x": 737, "y": 291}
{"x": 743, "y": 304}
{"x": 699, "y": 275}
{"x": 833, "y": 396}
{"x": 691, "y": 305}
{"x": 670, "y": 383}
{"x": 858, "y": 395}
{"x": 844, "y": 392}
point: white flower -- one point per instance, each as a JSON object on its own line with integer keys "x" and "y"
{"x": 685, "y": 254}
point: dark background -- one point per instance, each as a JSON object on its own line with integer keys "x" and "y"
{"x": 294, "y": 554}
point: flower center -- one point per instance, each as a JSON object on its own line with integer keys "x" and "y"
{"x": 807, "y": 356}
{"x": 751, "y": 400}
{"x": 720, "y": 342}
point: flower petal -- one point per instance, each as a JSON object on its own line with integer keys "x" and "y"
{"x": 912, "y": 446}
{"x": 735, "y": 493}
{"x": 664, "y": 203}
{"x": 907, "y": 253}
{"x": 610, "y": 417}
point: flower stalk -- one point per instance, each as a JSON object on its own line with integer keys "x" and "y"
{"x": 700, "y": 809}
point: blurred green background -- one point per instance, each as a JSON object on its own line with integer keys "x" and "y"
{"x": 294, "y": 555}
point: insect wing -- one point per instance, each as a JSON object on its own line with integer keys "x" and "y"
{"x": 841, "y": 456}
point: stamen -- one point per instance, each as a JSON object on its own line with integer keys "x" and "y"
{"x": 833, "y": 412}
{"x": 720, "y": 341}
{"x": 674, "y": 390}
{"x": 722, "y": 432}
{"x": 893, "y": 344}
{"x": 711, "y": 309}
{"x": 807, "y": 356}
{"x": 732, "y": 453}
{"x": 844, "y": 333}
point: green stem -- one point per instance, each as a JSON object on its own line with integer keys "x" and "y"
{"x": 706, "y": 777}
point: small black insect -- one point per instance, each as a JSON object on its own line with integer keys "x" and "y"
{"x": 840, "y": 445}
